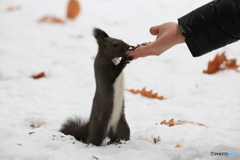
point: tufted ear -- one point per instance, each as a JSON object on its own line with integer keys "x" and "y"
{"x": 100, "y": 36}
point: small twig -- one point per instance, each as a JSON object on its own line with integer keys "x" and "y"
{"x": 95, "y": 158}
{"x": 89, "y": 145}
{"x": 158, "y": 139}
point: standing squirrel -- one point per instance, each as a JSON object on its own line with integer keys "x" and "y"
{"x": 107, "y": 116}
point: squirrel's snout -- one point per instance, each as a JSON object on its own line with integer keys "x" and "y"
{"x": 127, "y": 50}
{"x": 128, "y": 47}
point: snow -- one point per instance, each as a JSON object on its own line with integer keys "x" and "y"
{"x": 33, "y": 110}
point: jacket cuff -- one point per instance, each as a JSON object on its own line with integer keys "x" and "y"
{"x": 211, "y": 26}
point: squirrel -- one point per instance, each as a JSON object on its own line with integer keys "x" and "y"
{"x": 107, "y": 117}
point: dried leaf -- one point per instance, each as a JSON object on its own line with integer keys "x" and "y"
{"x": 35, "y": 125}
{"x": 178, "y": 146}
{"x": 73, "y": 9}
{"x": 163, "y": 122}
{"x": 145, "y": 93}
{"x": 79, "y": 36}
{"x": 40, "y": 75}
{"x": 231, "y": 64}
{"x": 215, "y": 65}
{"x": 51, "y": 19}
{"x": 13, "y": 8}
{"x": 219, "y": 63}
{"x": 171, "y": 123}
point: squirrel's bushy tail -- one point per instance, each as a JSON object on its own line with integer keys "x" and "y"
{"x": 75, "y": 127}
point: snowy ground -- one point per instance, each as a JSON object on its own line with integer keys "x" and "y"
{"x": 31, "y": 111}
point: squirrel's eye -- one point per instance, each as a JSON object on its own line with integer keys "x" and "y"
{"x": 115, "y": 45}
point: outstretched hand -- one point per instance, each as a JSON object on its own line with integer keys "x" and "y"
{"x": 168, "y": 35}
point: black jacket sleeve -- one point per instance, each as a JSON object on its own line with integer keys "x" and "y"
{"x": 211, "y": 26}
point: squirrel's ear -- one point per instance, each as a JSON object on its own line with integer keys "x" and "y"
{"x": 100, "y": 35}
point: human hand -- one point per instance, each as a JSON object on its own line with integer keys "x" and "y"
{"x": 168, "y": 35}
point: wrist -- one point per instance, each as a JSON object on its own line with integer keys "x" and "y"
{"x": 180, "y": 37}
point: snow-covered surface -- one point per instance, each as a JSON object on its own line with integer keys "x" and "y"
{"x": 28, "y": 47}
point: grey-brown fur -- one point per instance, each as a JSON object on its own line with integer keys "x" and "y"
{"x": 96, "y": 129}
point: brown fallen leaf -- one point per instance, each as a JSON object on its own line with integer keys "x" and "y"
{"x": 40, "y": 75}
{"x": 220, "y": 63}
{"x": 215, "y": 65}
{"x": 35, "y": 126}
{"x": 13, "y": 8}
{"x": 73, "y": 9}
{"x": 171, "y": 123}
{"x": 145, "y": 93}
{"x": 51, "y": 19}
{"x": 80, "y": 36}
{"x": 178, "y": 146}
{"x": 231, "y": 64}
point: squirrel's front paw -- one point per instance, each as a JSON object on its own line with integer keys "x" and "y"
{"x": 126, "y": 59}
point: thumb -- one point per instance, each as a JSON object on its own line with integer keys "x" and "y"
{"x": 154, "y": 30}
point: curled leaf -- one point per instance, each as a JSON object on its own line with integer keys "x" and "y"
{"x": 40, "y": 75}
{"x": 231, "y": 64}
{"x": 178, "y": 146}
{"x": 73, "y": 9}
{"x": 220, "y": 62}
{"x": 51, "y": 19}
{"x": 172, "y": 122}
{"x": 145, "y": 93}
{"x": 13, "y": 8}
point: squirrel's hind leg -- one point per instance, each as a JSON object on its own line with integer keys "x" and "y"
{"x": 122, "y": 131}
{"x": 97, "y": 133}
